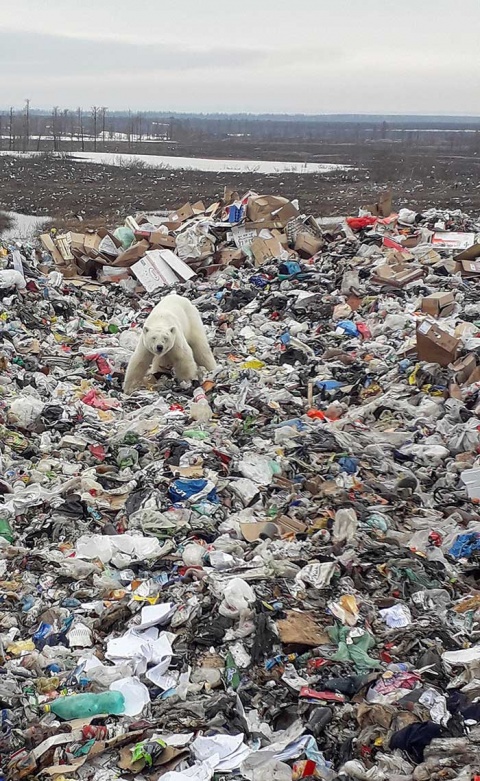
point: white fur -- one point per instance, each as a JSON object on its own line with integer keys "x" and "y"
{"x": 174, "y": 325}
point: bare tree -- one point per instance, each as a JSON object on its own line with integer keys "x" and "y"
{"x": 95, "y": 111}
{"x": 11, "y": 137}
{"x": 139, "y": 119}
{"x": 129, "y": 129}
{"x": 26, "y": 134}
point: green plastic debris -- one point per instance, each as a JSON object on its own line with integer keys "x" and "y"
{"x": 232, "y": 676}
{"x": 149, "y": 751}
{"x": 354, "y": 651}
{"x": 125, "y": 236}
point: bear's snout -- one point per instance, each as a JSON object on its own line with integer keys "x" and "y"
{"x": 159, "y": 348}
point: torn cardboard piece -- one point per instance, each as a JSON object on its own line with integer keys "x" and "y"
{"x": 453, "y": 240}
{"x": 299, "y": 628}
{"x": 284, "y": 524}
{"x": 264, "y": 250}
{"x": 383, "y": 207}
{"x": 49, "y": 245}
{"x": 397, "y": 275}
{"x": 187, "y": 211}
{"x": 131, "y": 255}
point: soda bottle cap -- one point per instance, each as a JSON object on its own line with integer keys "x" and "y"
{"x": 47, "y": 708}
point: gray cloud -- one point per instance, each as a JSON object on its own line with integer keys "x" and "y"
{"x": 41, "y": 55}
{"x": 315, "y": 56}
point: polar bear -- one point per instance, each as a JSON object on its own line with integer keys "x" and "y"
{"x": 173, "y": 336}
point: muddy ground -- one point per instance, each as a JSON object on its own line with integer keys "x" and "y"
{"x": 65, "y": 189}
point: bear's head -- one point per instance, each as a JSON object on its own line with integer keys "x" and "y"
{"x": 159, "y": 339}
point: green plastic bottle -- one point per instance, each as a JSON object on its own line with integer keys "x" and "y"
{"x": 6, "y": 530}
{"x": 81, "y": 706}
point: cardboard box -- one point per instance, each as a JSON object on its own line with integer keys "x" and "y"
{"x": 130, "y": 222}
{"x": 438, "y": 304}
{"x": 162, "y": 240}
{"x": 435, "y": 345}
{"x": 470, "y": 268}
{"x": 453, "y": 240}
{"x": 187, "y": 210}
{"x": 76, "y": 241}
{"x": 131, "y": 255}
{"x": 229, "y": 256}
{"x": 85, "y": 265}
{"x": 91, "y": 244}
{"x": 112, "y": 274}
{"x": 469, "y": 254}
{"x": 397, "y": 275}
{"x": 448, "y": 266}
{"x": 465, "y": 368}
{"x": 160, "y": 268}
{"x": 243, "y": 235}
{"x": 383, "y": 207}
{"x": 281, "y": 237}
{"x": 63, "y": 244}
{"x": 307, "y": 245}
{"x": 264, "y": 250}
{"x": 102, "y": 245}
{"x": 230, "y": 194}
{"x": 167, "y": 222}
{"x": 49, "y": 245}
{"x": 286, "y": 213}
{"x": 70, "y": 271}
{"x": 260, "y": 207}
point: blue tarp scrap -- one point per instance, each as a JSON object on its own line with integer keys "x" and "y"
{"x": 465, "y": 545}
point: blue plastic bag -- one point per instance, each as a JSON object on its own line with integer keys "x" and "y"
{"x": 349, "y": 327}
{"x": 182, "y": 490}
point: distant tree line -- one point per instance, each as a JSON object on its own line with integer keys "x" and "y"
{"x": 97, "y": 128}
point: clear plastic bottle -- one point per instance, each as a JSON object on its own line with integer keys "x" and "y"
{"x": 81, "y": 706}
{"x": 200, "y": 409}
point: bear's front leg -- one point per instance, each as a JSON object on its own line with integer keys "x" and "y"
{"x": 137, "y": 368}
{"x": 183, "y": 363}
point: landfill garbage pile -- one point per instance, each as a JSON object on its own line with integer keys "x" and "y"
{"x": 277, "y": 578}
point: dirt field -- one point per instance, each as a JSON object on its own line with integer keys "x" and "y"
{"x": 419, "y": 178}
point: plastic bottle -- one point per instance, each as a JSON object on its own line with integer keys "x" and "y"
{"x": 6, "y": 530}
{"x": 200, "y": 408}
{"x": 81, "y": 706}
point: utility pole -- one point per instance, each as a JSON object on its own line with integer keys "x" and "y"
{"x": 95, "y": 117}
{"x": 55, "y": 128}
{"x": 80, "y": 124}
{"x": 104, "y": 113}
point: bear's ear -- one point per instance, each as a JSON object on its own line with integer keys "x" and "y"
{"x": 172, "y": 329}
{"x": 146, "y": 329}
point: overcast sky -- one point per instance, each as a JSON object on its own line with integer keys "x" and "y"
{"x": 312, "y": 56}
